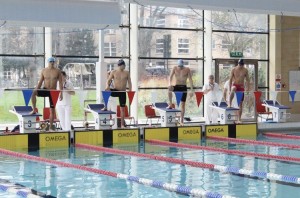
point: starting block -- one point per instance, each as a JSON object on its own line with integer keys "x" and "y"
{"x": 167, "y": 116}
{"x": 228, "y": 115}
{"x": 27, "y": 121}
{"x": 102, "y": 119}
{"x": 278, "y": 111}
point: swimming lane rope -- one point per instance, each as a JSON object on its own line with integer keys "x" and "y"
{"x": 226, "y": 151}
{"x": 254, "y": 142}
{"x": 232, "y": 170}
{"x": 153, "y": 183}
{"x": 283, "y": 136}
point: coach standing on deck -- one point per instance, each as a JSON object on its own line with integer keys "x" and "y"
{"x": 64, "y": 106}
{"x": 211, "y": 90}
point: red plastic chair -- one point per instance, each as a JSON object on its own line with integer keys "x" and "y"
{"x": 46, "y": 117}
{"x": 262, "y": 111}
{"x": 150, "y": 113}
{"x": 126, "y": 116}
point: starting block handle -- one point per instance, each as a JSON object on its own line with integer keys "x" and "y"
{"x": 107, "y": 120}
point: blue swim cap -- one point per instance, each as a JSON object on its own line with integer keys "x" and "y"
{"x": 51, "y": 59}
{"x": 180, "y": 63}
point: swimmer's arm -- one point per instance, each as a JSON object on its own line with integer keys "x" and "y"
{"x": 247, "y": 81}
{"x": 231, "y": 78}
{"x": 171, "y": 76}
{"x": 60, "y": 82}
{"x": 60, "y": 85}
{"x": 225, "y": 93}
{"x": 111, "y": 76}
{"x": 41, "y": 80}
{"x": 191, "y": 80}
{"x": 129, "y": 82}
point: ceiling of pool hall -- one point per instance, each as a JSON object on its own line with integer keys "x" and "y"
{"x": 107, "y": 13}
{"x": 276, "y": 7}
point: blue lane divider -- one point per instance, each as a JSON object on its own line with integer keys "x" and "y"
{"x": 173, "y": 187}
{"x": 17, "y": 190}
{"x": 259, "y": 174}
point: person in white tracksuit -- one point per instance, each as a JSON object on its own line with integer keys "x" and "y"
{"x": 63, "y": 107}
{"x": 211, "y": 91}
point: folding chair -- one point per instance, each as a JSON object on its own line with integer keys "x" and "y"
{"x": 126, "y": 112}
{"x": 262, "y": 112}
{"x": 150, "y": 113}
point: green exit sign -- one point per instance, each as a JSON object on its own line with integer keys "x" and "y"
{"x": 236, "y": 54}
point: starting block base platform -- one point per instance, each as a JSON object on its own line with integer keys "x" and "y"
{"x": 35, "y": 141}
{"x": 109, "y": 137}
{"x": 103, "y": 119}
{"x": 27, "y": 121}
{"x": 167, "y": 116}
{"x": 243, "y": 130}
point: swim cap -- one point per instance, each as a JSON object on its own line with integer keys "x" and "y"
{"x": 121, "y": 62}
{"x": 180, "y": 63}
{"x": 51, "y": 59}
{"x": 241, "y": 62}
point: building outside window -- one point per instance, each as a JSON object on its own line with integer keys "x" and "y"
{"x": 183, "y": 22}
{"x": 22, "y": 51}
{"x": 159, "y": 45}
{"x": 110, "y": 49}
{"x": 161, "y": 21}
{"x": 183, "y": 46}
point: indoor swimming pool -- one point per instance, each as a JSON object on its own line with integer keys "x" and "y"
{"x": 234, "y": 174}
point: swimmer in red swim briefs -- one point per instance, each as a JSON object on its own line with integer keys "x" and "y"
{"x": 239, "y": 74}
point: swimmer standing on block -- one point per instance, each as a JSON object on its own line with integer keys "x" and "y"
{"x": 236, "y": 83}
{"x": 49, "y": 76}
{"x": 120, "y": 78}
{"x": 181, "y": 75}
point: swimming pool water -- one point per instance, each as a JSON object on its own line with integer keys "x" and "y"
{"x": 66, "y": 182}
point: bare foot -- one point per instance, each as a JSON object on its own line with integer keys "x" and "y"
{"x": 104, "y": 109}
{"x": 32, "y": 112}
{"x": 238, "y": 122}
{"x": 169, "y": 107}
